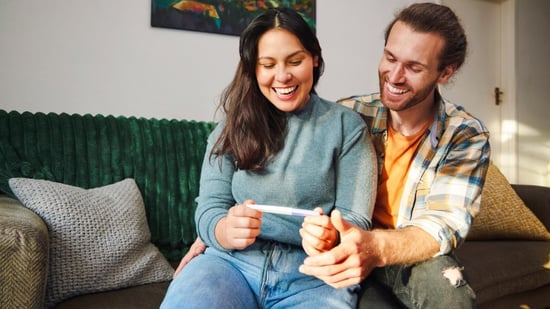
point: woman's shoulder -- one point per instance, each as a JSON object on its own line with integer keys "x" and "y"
{"x": 340, "y": 111}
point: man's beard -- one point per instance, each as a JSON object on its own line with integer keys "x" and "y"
{"x": 416, "y": 99}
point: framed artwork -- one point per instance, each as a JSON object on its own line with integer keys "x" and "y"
{"x": 220, "y": 16}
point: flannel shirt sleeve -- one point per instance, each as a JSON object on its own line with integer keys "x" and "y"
{"x": 448, "y": 195}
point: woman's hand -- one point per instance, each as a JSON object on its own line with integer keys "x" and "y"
{"x": 240, "y": 227}
{"x": 318, "y": 233}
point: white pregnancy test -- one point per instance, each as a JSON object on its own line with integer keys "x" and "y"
{"x": 282, "y": 210}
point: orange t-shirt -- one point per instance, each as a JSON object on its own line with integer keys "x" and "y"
{"x": 399, "y": 153}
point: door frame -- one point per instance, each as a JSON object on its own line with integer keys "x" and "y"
{"x": 508, "y": 162}
{"x": 507, "y": 159}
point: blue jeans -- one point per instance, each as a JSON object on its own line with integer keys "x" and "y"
{"x": 418, "y": 286}
{"x": 265, "y": 275}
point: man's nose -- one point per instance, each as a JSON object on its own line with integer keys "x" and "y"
{"x": 396, "y": 73}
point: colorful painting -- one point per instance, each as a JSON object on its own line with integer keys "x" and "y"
{"x": 220, "y": 16}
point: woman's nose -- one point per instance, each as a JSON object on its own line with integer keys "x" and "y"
{"x": 283, "y": 76}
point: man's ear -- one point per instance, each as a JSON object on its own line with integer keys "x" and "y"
{"x": 446, "y": 74}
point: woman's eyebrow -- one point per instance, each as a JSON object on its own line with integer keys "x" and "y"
{"x": 289, "y": 56}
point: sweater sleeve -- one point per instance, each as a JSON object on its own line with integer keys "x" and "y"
{"x": 215, "y": 196}
{"x": 356, "y": 174}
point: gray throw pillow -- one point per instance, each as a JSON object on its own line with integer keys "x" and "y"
{"x": 99, "y": 238}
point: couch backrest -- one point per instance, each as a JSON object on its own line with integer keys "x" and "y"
{"x": 537, "y": 198}
{"x": 163, "y": 156}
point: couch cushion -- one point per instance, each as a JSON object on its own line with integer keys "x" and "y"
{"x": 497, "y": 268}
{"x": 24, "y": 256}
{"x": 531, "y": 299}
{"x": 148, "y": 296}
{"x": 99, "y": 238}
{"x": 503, "y": 215}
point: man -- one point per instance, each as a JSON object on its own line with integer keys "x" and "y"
{"x": 432, "y": 159}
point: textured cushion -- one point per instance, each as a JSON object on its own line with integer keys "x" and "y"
{"x": 24, "y": 249}
{"x": 503, "y": 215}
{"x": 99, "y": 238}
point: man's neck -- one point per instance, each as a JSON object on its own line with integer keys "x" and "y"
{"x": 408, "y": 122}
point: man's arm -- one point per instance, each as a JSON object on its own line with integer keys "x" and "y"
{"x": 197, "y": 248}
{"x": 448, "y": 193}
{"x": 395, "y": 245}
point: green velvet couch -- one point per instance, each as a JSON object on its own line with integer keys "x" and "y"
{"x": 164, "y": 157}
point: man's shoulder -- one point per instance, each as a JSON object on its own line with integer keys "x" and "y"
{"x": 368, "y": 105}
{"x": 372, "y": 99}
{"x": 458, "y": 114}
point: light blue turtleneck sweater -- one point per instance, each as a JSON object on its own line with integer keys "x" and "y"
{"x": 327, "y": 161}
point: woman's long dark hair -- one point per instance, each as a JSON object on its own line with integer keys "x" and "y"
{"x": 255, "y": 129}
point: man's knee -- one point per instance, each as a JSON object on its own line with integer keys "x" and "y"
{"x": 437, "y": 283}
{"x": 440, "y": 283}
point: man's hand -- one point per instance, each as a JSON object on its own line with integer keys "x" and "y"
{"x": 348, "y": 263}
{"x": 197, "y": 248}
{"x": 318, "y": 233}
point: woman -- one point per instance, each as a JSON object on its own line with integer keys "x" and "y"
{"x": 279, "y": 144}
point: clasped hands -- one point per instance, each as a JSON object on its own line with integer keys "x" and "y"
{"x": 338, "y": 250}
{"x": 338, "y": 263}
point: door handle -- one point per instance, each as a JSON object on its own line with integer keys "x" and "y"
{"x": 498, "y": 96}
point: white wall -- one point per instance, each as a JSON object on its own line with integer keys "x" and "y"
{"x": 533, "y": 80}
{"x": 104, "y": 57}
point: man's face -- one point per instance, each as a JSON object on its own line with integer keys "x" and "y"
{"x": 408, "y": 71}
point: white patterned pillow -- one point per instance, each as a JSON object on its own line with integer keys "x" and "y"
{"x": 99, "y": 238}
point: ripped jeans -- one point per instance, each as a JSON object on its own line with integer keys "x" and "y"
{"x": 432, "y": 284}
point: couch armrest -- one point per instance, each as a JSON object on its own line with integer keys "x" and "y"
{"x": 24, "y": 256}
{"x": 537, "y": 198}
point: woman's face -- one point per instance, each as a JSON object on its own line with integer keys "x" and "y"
{"x": 284, "y": 70}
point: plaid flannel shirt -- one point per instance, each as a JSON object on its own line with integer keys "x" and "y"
{"x": 443, "y": 188}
